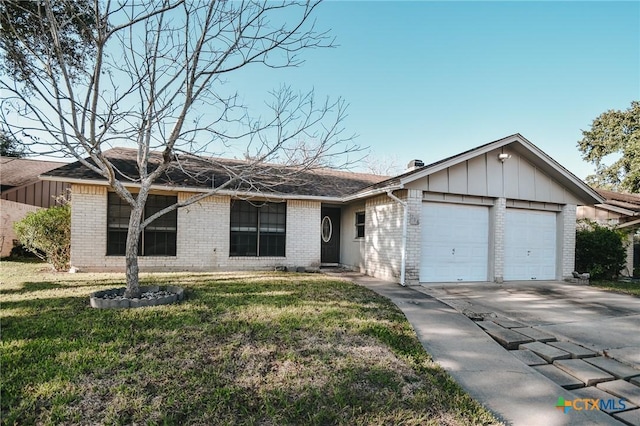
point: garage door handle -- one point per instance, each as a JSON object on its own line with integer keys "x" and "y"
{"x": 528, "y": 252}
{"x": 453, "y": 251}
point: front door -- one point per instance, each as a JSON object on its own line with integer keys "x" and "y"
{"x": 330, "y": 235}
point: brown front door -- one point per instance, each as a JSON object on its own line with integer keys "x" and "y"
{"x": 330, "y": 235}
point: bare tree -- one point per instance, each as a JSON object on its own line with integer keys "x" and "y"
{"x": 158, "y": 78}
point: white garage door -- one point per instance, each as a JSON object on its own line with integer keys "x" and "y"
{"x": 529, "y": 245}
{"x": 455, "y": 243}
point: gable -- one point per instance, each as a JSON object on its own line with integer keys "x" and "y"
{"x": 486, "y": 176}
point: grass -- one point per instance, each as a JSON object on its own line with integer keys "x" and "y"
{"x": 627, "y": 287}
{"x": 242, "y": 348}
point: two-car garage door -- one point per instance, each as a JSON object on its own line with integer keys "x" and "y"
{"x": 455, "y": 243}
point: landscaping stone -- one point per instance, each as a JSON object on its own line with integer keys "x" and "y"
{"x": 559, "y": 377}
{"x": 150, "y": 296}
{"x": 618, "y": 369}
{"x": 508, "y": 338}
{"x": 549, "y": 353}
{"x": 611, "y": 403}
{"x": 535, "y": 334}
{"x": 576, "y": 351}
{"x": 631, "y": 418}
{"x": 581, "y": 370}
{"x": 528, "y": 357}
{"x": 507, "y": 323}
{"x": 623, "y": 389}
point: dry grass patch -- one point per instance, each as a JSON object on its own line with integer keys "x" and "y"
{"x": 260, "y": 348}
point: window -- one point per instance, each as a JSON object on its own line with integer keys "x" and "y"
{"x": 257, "y": 229}
{"x": 360, "y": 225}
{"x": 158, "y": 238}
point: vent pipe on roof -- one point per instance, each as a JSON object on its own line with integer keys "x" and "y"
{"x": 414, "y": 164}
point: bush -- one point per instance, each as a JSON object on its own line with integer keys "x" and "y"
{"x": 48, "y": 231}
{"x": 600, "y": 251}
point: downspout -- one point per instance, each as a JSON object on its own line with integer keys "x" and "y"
{"x": 403, "y": 249}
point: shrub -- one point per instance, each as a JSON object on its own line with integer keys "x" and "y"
{"x": 600, "y": 251}
{"x": 48, "y": 231}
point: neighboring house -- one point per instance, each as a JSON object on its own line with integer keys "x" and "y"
{"x": 501, "y": 211}
{"x": 23, "y": 192}
{"x": 618, "y": 210}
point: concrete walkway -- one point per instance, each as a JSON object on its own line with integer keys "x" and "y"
{"x": 513, "y": 391}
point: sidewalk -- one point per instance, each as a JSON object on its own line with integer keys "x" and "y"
{"x": 513, "y": 391}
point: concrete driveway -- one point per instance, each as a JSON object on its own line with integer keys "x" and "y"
{"x": 602, "y": 321}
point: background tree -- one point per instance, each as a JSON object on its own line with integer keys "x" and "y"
{"x": 614, "y": 133}
{"x": 158, "y": 78}
{"x": 10, "y": 146}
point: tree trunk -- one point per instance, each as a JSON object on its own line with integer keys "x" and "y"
{"x": 131, "y": 252}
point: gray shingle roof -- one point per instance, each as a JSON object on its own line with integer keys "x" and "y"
{"x": 201, "y": 173}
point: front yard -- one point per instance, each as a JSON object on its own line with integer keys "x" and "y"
{"x": 242, "y": 348}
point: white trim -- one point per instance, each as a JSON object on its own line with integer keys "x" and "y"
{"x": 629, "y": 224}
{"x": 616, "y": 209}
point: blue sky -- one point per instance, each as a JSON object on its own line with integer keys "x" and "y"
{"x": 431, "y": 79}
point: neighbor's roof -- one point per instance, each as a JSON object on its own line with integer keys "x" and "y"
{"x": 619, "y": 199}
{"x": 200, "y": 173}
{"x": 23, "y": 171}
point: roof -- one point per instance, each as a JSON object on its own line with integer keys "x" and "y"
{"x": 516, "y": 141}
{"x": 619, "y": 199}
{"x": 203, "y": 173}
{"x": 23, "y": 171}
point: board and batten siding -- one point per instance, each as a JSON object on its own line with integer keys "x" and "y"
{"x": 39, "y": 194}
{"x": 486, "y": 176}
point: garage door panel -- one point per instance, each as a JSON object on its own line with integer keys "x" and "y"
{"x": 530, "y": 245}
{"x": 454, "y": 243}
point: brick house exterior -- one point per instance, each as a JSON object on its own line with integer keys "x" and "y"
{"x": 459, "y": 219}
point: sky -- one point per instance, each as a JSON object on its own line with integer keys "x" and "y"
{"x": 427, "y": 80}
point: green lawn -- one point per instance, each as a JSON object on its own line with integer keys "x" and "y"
{"x": 627, "y": 287}
{"x": 242, "y": 348}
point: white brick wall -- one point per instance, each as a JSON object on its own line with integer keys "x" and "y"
{"x": 202, "y": 238}
{"x": 383, "y": 238}
{"x": 496, "y": 238}
{"x": 567, "y": 240}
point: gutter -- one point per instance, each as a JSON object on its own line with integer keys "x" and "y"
{"x": 403, "y": 248}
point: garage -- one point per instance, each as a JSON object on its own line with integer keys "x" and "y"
{"x": 455, "y": 242}
{"x": 530, "y": 245}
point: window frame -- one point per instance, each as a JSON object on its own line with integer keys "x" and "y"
{"x": 360, "y": 226}
{"x": 257, "y": 229}
{"x": 165, "y": 226}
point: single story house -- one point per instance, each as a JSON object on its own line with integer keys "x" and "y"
{"x": 21, "y": 192}
{"x": 621, "y": 211}
{"x": 502, "y": 211}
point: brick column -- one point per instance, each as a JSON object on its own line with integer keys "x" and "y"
{"x": 567, "y": 241}
{"x": 496, "y": 240}
{"x": 414, "y": 237}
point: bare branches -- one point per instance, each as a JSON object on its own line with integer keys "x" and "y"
{"x": 154, "y": 75}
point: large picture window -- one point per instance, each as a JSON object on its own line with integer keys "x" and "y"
{"x": 257, "y": 229}
{"x": 158, "y": 238}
